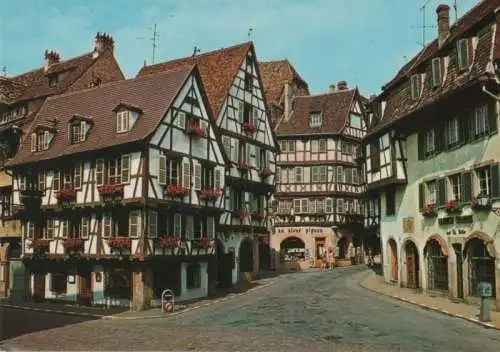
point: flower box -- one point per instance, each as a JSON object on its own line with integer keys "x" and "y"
{"x": 241, "y": 213}
{"x": 176, "y": 191}
{"x": 110, "y": 192}
{"x": 202, "y": 243}
{"x": 169, "y": 242}
{"x": 429, "y": 210}
{"x": 40, "y": 246}
{"x": 265, "y": 172}
{"x": 75, "y": 244}
{"x": 483, "y": 199}
{"x": 120, "y": 243}
{"x": 244, "y": 166}
{"x": 66, "y": 196}
{"x": 257, "y": 216}
{"x": 249, "y": 127}
{"x": 210, "y": 193}
{"x": 195, "y": 130}
{"x": 453, "y": 206}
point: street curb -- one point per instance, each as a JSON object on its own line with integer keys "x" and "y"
{"x": 209, "y": 303}
{"x": 52, "y": 311}
{"x": 427, "y": 307}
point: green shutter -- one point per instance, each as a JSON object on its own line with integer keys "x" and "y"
{"x": 441, "y": 183}
{"x": 495, "y": 180}
{"x": 466, "y": 187}
{"x": 420, "y": 146}
{"x": 492, "y": 117}
{"x": 421, "y": 196}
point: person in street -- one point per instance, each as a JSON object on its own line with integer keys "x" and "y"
{"x": 370, "y": 257}
{"x": 324, "y": 263}
{"x": 330, "y": 258}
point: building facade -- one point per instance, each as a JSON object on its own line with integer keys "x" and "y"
{"x": 318, "y": 190}
{"x": 432, "y": 153}
{"x": 21, "y": 97}
{"x": 235, "y": 95}
{"x": 118, "y": 192}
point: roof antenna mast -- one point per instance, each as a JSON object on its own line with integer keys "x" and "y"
{"x": 455, "y": 7}
{"x": 424, "y": 26}
{"x": 196, "y": 50}
{"x": 250, "y": 31}
{"x": 4, "y": 70}
{"x": 154, "y": 40}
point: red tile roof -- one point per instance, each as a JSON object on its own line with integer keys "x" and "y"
{"x": 217, "y": 68}
{"x": 335, "y": 108}
{"x": 397, "y": 92}
{"x": 10, "y": 90}
{"x": 152, "y": 94}
{"x": 274, "y": 75}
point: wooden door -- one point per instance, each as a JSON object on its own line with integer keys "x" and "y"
{"x": 85, "y": 288}
{"x": 225, "y": 265}
{"x": 39, "y": 287}
{"x": 394, "y": 262}
{"x": 411, "y": 271}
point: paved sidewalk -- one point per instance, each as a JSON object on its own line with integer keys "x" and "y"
{"x": 443, "y": 305}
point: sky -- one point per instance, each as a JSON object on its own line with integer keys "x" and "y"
{"x": 363, "y": 42}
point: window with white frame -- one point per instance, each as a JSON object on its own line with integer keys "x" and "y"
{"x": 415, "y": 86}
{"x": 320, "y": 205}
{"x": 41, "y": 181}
{"x": 436, "y": 72}
{"x": 114, "y": 171}
{"x": 284, "y": 206}
{"x": 99, "y": 172}
{"x": 298, "y": 174}
{"x": 346, "y": 147}
{"x": 315, "y": 119}
{"x": 432, "y": 192}
{"x": 108, "y": 225}
{"x": 85, "y": 227}
{"x": 153, "y": 223}
{"x": 481, "y": 125}
{"x": 430, "y": 142}
{"x": 122, "y": 121}
{"x": 322, "y": 145}
{"x": 287, "y": 146}
{"x": 68, "y": 178}
{"x": 319, "y": 174}
{"x": 463, "y": 54}
{"x": 77, "y": 178}
{"x": 177, "y": 225}
{"x": 453, "y": 132}
{"x": 63, "y": 228}
{"x": 328, "y": 205}
{"x": 314, "y": 146}
{"x": 50, "y": 229}
{"x": 340, "y": 174}
{"x": 312, "y": 206}
{"x": 40, "y": 141}
{"x": 180, "y": 119}
{"x": 340, "y": 205}
{"x": 456, "y": 186}
{"x": 78, "y": 131}
{"x": 483, "y": 180}
{"x": 134, "y": 225}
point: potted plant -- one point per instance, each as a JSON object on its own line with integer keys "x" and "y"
{"x": 429, "y": 210}
{"x": 452, "y": 206}
{"x": 118, "y": 243}
{"x": 249, "y": 127}
{"x": 194, "y": 129}
{"x": 176, "y": 191}
{"x": 110, "y": 192}
{"x": 481, "y": 202}
{"x": 210, "y": 193}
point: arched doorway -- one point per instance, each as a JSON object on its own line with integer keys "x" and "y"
{"x": 393, "y": 259}
{"x": 481, "y": 265}
{"x": 437, "y": 266}
{"x": 343, "y": 247}
{"x": 225, "y": 265}
{"x": 293, "y": 249}
{"x": 412, "y": 265}
{"x": 246, "y": 256}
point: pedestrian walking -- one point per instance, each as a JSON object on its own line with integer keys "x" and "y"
{"x": 330, "y": 258}
{"x": 324, "y": 263}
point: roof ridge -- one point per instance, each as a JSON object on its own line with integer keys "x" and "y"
{"x": 350, "y": 90}
{"x": 124, "y": 81}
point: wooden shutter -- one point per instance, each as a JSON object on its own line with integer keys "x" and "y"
{"x": 466, "y": 189}
{"x": 492, "y": 117}
{"x": 218, "y": 179}
{"x": 33, "y": 142}
{"x": 85, "y": 227}
{"x": 241, "y": 111}
{"x": 420, "y": 146}
{"x": 153, "y": 223}
{"x": 441, "y": 191}
{"x": 421, "y": 198}
{"x": 162, "y": 170}
{"x": 186, "y": 174}
{"x": 46, "y": 140}
{"x": 495, "y": 180}
{"x": 83, "y": 128}
{"x": 125, "y": 168}
{"x": 77, "y": 181}
{"x": 197, "y": 176}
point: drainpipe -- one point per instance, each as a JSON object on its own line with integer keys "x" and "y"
{"x": 494, "y": 96}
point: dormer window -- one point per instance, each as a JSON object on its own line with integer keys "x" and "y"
{"x": 315, "y": 119}
{"x": 123, "y": 121}
{"x": 415, "y": 86}
{"x": 463, "y": 54}
{"x": 53, "y": 81}
{"x": 40, "y": 140}
{"x": 436, "y": 72}
{"x": 78, "y": 131}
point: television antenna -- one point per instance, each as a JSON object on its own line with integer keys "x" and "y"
{"x": 3, "y": 69}
{"x": 250, "y": 31}
{"x": 154, "y": 40}
{"x": 424, "y": 25}
{"x": 196, "y": 50}
{"x": 455, "y": 8}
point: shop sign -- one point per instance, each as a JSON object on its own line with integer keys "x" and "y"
{"x": 299, "y": 230}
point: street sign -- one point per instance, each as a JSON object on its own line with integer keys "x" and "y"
{"x": 167, "y": 301}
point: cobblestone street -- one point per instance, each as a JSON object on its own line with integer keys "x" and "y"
{"x": 314, "y": 311}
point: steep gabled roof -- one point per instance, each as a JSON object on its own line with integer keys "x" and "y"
{"x": 10, "y": 90}
{"x": 153, "y": 94}
{"x": 217, "y": 69}
{"x": 334, "y": 107}
{"x": 274, "y": 75}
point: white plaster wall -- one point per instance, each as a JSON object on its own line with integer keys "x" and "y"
{"x": 202, "y": 291}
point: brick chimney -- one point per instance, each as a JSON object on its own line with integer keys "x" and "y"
{"x": 443, "y": 22}
{"x": 287, "y": 101}
{"x": 332, "y": 88}
{"x": 103, "y": 42}
{"x": 51, "y": 58}
{"x": 342, "y": 85}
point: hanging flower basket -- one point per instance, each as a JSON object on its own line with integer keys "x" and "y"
{"x": 481, "y": 202}
{"x": 176, "y": 191}
{"x": 452, "y": 206}
{"x": 110, "y": 192}
{"x": 40, "y": 246}
{"x": 257, "y": 216}
{"x": 202, "y": 243}
{"x": 244, "y": 166}
{"x": 195, "y": 130}
{"x": 210, "y": 193}
{"x": 249, "y": 127}
{"x": 265, "y": 172}
{"x": 169, "y": 242}
{"x": 242, "y": 214}
{"x": 429, "y": 210}
{"x": 120, "y": 243}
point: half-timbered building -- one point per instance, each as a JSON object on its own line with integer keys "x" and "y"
{"x": 234, "y": 90}
{"x": 21, "y": 97}
{"x": 118, "y": 192}
{"x": 318, "y": 188}
{"x": 433, "y": 154}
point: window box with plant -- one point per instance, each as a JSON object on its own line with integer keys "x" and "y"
{"x": 249, "y": 127}
{"x": 171, "y": 243}
{"x": 73, "y": 245}
{"x": 241, "y": 213}
{"x": 210, "y": 193}
{"x": 452, "y": 207}
{"x": 256, "y": 216}
{"x": 244, "y": 166}
{"x": 120, "y": 244}
{"x": 40, "y": 246}
{"x": 110, "y": 192}
{"x": 195, "y": 129}
{"x": 429, "y": 211}
{"x": 66, "y": 196}
{"x": 176, "y": 191}
{"x": 481, "y": 203}
{"x": 202, "y": 243}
